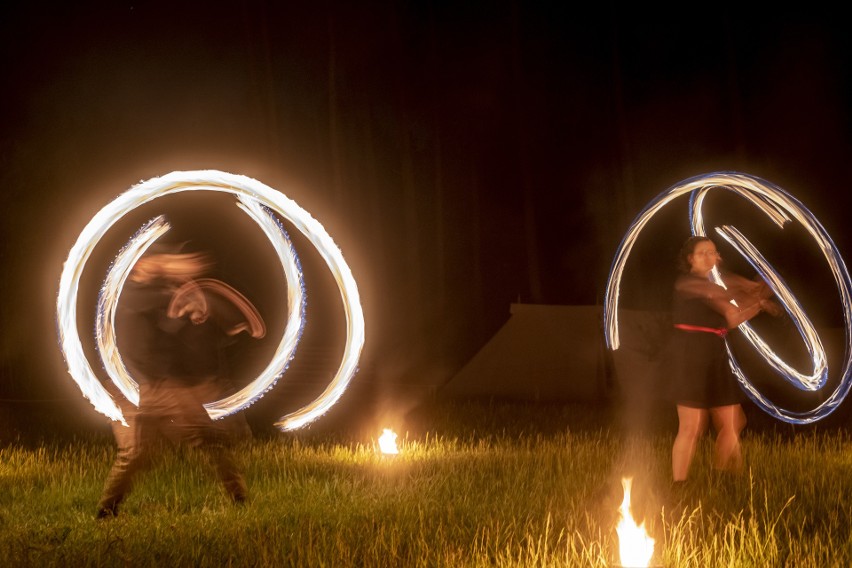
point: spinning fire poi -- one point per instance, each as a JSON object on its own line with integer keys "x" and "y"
{"x": 782, "y": 208}
{"x": 261, "y": 203}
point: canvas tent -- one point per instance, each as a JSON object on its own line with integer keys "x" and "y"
{"x": 557, "y": 353}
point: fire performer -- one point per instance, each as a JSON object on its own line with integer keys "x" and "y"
{"x": 172, "y": 326}
{"x": 702, "y": 384}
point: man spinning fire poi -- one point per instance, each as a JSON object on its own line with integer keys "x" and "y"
{"x": 172, "y": 326}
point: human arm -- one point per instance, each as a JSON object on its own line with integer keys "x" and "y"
{"x": 208, "y": 297}
{"x": 747, "y": 290}
{"x": 189, "y": 300}
{"x": 736, "y": 304}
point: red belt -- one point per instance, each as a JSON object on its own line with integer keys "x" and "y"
{"x": 720, "y": 331}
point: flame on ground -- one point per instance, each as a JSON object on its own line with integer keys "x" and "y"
{"x": 387, "y": 442}
{"x": 635, "y": 547}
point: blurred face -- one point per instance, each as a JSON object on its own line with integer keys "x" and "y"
{"x": 176, "y": 267}
{"x": 703, "y": 258}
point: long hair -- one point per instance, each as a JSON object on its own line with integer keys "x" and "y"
{"x": 687, "y": 249}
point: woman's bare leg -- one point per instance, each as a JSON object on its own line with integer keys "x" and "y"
{"x": 692, "y": 423}
{"x": 728, "y": 421}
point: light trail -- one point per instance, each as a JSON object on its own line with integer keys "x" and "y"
{"x": 781, "y": 208}
{"x": 259, "y": 201}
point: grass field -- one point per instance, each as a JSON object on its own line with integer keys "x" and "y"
{"x": 474, "y": 485}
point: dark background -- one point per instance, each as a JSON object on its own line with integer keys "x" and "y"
{"x": 463, "y": 155}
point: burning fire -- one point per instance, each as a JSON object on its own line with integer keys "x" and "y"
{"x": 387, "y": 442}
{"x": 635, "y": 547}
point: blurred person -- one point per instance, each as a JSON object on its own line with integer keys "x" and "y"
{"x": 172, "y": 326}
{"x": 703, "y": 385}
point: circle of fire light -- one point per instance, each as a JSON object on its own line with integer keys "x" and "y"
{"x": 781, "y": 208}
{"x": 121, "y": 268}
{"x": 254, "y": 198}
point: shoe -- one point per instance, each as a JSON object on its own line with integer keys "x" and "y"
{"x": 106, "y": 513}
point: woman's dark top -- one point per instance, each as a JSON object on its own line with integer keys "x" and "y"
{"x": 700, "y": 375}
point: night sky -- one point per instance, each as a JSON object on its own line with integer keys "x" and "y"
{"x": 463, "y": 155}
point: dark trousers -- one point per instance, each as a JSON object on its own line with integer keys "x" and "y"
{"x": 175, "y": 412}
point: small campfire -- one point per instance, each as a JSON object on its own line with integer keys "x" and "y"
{"x": 387, "y": 442}
{"x": 635, "y": 547}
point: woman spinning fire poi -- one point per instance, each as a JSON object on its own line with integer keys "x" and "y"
{"x": 702, "y": 383}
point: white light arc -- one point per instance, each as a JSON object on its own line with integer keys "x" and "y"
{"x": 781, "y": 207}
{"x": 124, "y": 262}
{"x": 108, "y": 302}
{"x": 251, "y": 193}
{"x": 817, "y": 378}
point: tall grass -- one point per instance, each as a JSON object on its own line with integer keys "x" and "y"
{"x": 500, "y": 495}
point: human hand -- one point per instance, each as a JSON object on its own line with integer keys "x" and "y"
{"x": 197, "y": 313}
{"x": 762, "y": 289}
{"x": 771, "y": 307}
{"x": 189, "y": 301}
